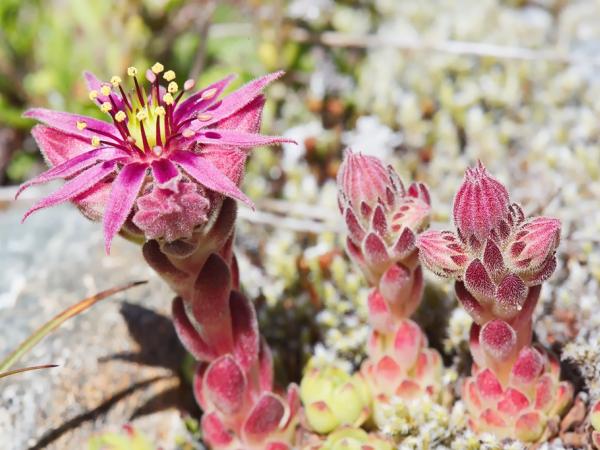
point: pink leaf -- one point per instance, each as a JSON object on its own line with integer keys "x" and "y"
{"x": 492, "y": 258}
{"x": 210, "y": 304}
{"x": 396, "y": 284}
{"x": 264, "y": 418}
{"x": 510, "y": 296}
{"x": 528, "y": 366}
{"x": 488, "y": 385}
{"x": 442, "y": 253}
{"x": 388, "y": 372}
{"x": 245, "y": 330}
{"x": 188, "y": 335}
{"x": 356, "y": 231}
{"x": 378, "y": 221}
{"x": 470, "y": 303}
{"x": 379, "y": 311}
{"x": 544, "y": 393}
{"x": 535, "y": 242}
{"x": 492, "y": 419}
{"x": 498, "y": 340}
{"x": 408, "y": 341}
{"x": 530, "y": 426}
{"x": 225, "y": 385}
{"x": 512, "y": 402}
{"x": 374, "y": 250}
{"x": 215, "y": 432}
{"x": 265, "y": 365}
{"x": 405, "y": 243}
{"x": 478, "y": 282}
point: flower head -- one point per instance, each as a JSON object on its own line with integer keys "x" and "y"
{"x": 480, "y": 207}
{"x": 155, "y": 136}
{"x": 497, "y": 255}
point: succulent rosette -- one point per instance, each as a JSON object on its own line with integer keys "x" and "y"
{"x": 383, "y": 219}
{"x": 402, "y": 365}
{"x": 350, "y": 438}
{"x": 234, "y": 378}
{"x": 499, "y": 258}
{"x": 333, "y": 398}
{"x": 177, "y": 152}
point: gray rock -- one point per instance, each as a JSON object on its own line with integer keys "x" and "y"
{"x": 118, "y": 360}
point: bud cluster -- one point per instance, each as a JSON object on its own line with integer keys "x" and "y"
{"x": 498, "y": 259}
{"x": 383, "y": 219}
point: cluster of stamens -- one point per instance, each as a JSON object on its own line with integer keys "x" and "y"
{"x": 146, "y": 122}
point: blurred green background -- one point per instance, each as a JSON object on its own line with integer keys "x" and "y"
{"x": 45, "y": 45}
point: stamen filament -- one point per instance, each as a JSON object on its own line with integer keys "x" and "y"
{"x": 125, "y": 99}
{"x": 139, "y": 92}
{"x": 104, "y": 133}
{"x": 158, "y": 136}
{"x": 144, "y": 138}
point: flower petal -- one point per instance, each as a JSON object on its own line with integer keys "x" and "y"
{"x": 73, "y": 165}
{"x": 246, "y": 119}
{"x": 235, "y": 101}
{"x": 124, "y": 191}
{"x": 82, "y": 182}
{"x": 205, "y": 173}
{"x": 195, "y": 103}
{"x": 67, "y": 122}
{"x": 58, "y": 146}
{"x": 237, "y": 138}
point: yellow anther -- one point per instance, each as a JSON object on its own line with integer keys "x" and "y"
{"x": 157, "y": 67}
{"x": 81, "y": 125}
{"x": 105, "y": 90}
{"x": 187, "y": 133}
{"x": 159, "y": 111}
{"x": 169, "y": 75}
{"x": 105, "y": 107}
{"x": 115, "y": 81}
{"x": 208, "y": 94}
{"x": 204, "y": 117}
{"x": 168, "y": 99}
{"x": 132, "y": 71}
{"x": 93, "y": 95}
{"x": 120, "y": 116}
{"x": 172, "y": 87}
{"x": 142, "y": 114}
{"x": 95, "y": 141}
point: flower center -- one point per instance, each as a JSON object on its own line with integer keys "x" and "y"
{"x": 145, "y": 120}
